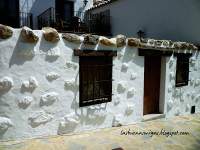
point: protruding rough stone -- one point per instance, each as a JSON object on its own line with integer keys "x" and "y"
{"x": 107, "y": 42}
{"x": 6, "y": 83}
{"x": 71, "y": 38}
{"x": 68, "y": 124}
{"x": 129, "y": 109}
{"x": 121, "y": 87}
{"x": 5, "y": 32}
{"x": 25, "y": 102}
{"x": 124, "y": 67}
{"x": 28, "y": 35}
{"x": 48, "y": 98}
{"x": 172, "y": 76}
{"x": 70, "y": 85}
{"x": 133, "y": 42}
{"x": 131, "y": 92}
{"x": 120, "y": 40}
{"x": 197, "y": 82}
{"x": 117, "y": 100}
{"x": 70, "y": 64}
{"x": 133, "y": 76}
{"x": 31, "y": 84}
{"x": 170, "y": 104}
{"x": 39, "y": 118}
{"x": 91, "y": 39}
{"x": 51, "y": 34}
{"x": 117, "y": 121}
{"x": 54, "y": 52}
{"x": 5, "y": 123}
{"x": 52, "y": 76}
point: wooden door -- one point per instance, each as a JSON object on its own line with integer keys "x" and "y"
{"x": 152, "y": 84}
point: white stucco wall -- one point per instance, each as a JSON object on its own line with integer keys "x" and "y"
{"x": 171, "y": 19}
{"x": 36, "y": 71}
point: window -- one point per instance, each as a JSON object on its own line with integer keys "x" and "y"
{"x": 182, "y": 70}
{"x": 95, "y": 80}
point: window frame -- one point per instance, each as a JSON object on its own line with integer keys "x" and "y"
{"x": 182, "y": 59}
{"x": 94, "y": 63}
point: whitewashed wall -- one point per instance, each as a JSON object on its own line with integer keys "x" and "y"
{"x": 178, "y": 100}
{"x": 46, "y": 68}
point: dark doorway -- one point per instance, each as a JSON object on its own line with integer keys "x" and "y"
{"x": 9, "y": 13}
{"x": 64, "y": 9}
{"x": 152, "y": 84}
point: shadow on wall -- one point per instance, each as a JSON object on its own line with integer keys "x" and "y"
{"x": 22, "y": 52}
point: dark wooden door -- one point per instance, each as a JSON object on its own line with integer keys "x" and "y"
{"x": 152, "y": 84}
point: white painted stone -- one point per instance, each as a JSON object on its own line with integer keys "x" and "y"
{"x": 5, "y": 123}
{"x": 197, "y": 98}
{"x": 39, "y": 118}
{"x": 52, "y": 76}
{"x": 187, "y": 108}
{"x": 121, "y": 87}
{"x": 117, "y": 120}
{"x": 131, "y": 92}
{"x": 48, "y": 98}
{"x": 197, "y": 82}
{"x": 170, "y": 88}
{"x": 177, "y": 112}
{"x": 68, "y": 124}
{"x": 133, "y": 76}
{"x": 129, "y": 109}
{"x": 70, "y": 64}
{"x": 120, "y": 55}
{"x": 31, "y": 84}
{"x": 125, "y": 67}
{"x": 171, "y": 61}
{"x": 25, "y": 102}
{"x": 54, "y": 52}
{"x": 6, "y": 83}
{"x": 70, "y": 85}
{"x": 170, "y": 104}
{"x": 117, "y": 100}
{"x": 26, "y": 52}
{"x": 172, "y": 76}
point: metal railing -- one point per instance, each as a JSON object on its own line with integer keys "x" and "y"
{"x": 26, "y": 19}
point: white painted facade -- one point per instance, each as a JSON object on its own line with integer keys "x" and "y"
{"x": 39, "y": 95}
{"x": 175, "y": 20}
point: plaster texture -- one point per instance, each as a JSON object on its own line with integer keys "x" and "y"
{"x": 36, "y": 107}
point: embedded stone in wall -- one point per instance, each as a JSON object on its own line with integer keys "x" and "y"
{"x": 71, "y": 38}
{"x": 5, "y": 123}
{"x": 117, "y": 100}
{"x": 170, "y": 88}
{"x": 170, "y": 104}
{"x": 69, "y": 124}
{"x": 197, "y": 98}
{"x": 31, "y": 84}
{"x": 25, "y": 102}
{"x": 48, "y": 98}
{"x": 107, "y": 42}
{"x": 120, "y": 55}
{"x": 121, "y": 87}
{"x": 117, "y": 121}
{"x": 171, "y": 61}
{"x": 6, "y": 83}
{"x": 177, "y": 112}
{"x": 5, "y": 32}
{"x": 70, "y": 85}
{"x": 197, "y": 82}
{"x": 39, "y": 118}
{"x": 129, "y": 109}
{"x": 28, "y": 35}
{"x": 177, "y": 93}
{"x": 187, "y": 108}
{"x": 50, "y": 34}
{"x": 151, "y": 42}
{"x": 172, "y": 76}
{"x": 133, "y": 76}
{"x": 52, "y": 76}
{"x": 70, "y": 64}
{"x": 120, "y": 40}
{"x": 131, "y": 92}
{"x": 54, "y": 52}
{"x": 124, "y": 67}
{"x": 134, "y": 42}
{"x": 91, "y": 39}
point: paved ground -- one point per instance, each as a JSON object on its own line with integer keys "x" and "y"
{"x": 179, "y": 133}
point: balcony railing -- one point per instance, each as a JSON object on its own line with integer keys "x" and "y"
{"x": 26, "y": 19}
{"x": 79, "y": 22}
{"x": 50, "y": 19}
